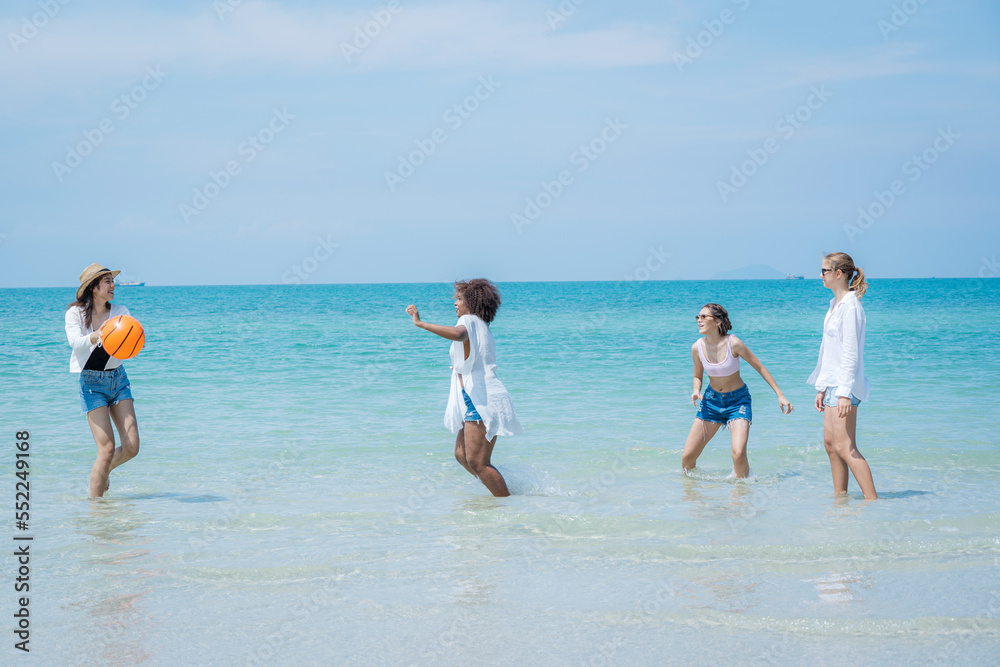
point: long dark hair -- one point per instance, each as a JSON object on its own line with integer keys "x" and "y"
{"x": 86, "y": 302}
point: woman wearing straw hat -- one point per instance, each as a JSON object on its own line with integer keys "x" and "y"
{"x": 105, "y": 395}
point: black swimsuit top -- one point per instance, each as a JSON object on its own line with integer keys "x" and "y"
{"x": 98, "y": 359}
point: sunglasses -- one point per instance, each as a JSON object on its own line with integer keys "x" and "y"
{"x": 823, "y": 272}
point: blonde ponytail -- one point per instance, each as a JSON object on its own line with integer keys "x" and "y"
{"x": 859, "y": 285}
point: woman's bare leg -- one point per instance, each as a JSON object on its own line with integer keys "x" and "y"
{"x": 846, "y": 447}
{"x": 123, "y": 414}
{"x": 104, "y": 436}
{"x": 739, "y": 429}
{"x": 701, "y": 432}
{"x": 108, "y": 456}
{"x": 838, "y": 466}
{"x": 460, "y": 450}
{"x": 478, "y": 451}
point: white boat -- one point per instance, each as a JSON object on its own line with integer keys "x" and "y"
{"x": 128, "y": 283}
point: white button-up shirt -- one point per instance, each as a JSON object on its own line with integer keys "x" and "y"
{"x": 842, "y": 353}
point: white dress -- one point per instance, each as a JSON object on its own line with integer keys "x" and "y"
{"x": 479, "y": 373}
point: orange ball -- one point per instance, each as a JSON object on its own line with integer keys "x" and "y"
{"x": 122, "y": 337}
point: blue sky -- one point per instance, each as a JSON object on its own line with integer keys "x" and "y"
{"x": 513, "y": 140}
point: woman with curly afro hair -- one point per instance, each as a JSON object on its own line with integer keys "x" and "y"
{"x": 479, "y": 407}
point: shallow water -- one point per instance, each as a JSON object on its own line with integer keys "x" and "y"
{"x": 296, "y": 498}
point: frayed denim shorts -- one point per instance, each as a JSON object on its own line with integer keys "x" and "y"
{"x": 724, "y": 407}
{"x": 830, "y": 400}
{"x": 100, "y": 389}
{"x": 471, "y": 415}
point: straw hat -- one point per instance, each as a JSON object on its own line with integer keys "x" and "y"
{"x": 89, "y": 273}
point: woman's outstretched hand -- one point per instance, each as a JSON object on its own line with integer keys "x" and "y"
{"x": 412, "y": 311}
{"x": 695, "y": 397}
{"x": 786, "y": 406}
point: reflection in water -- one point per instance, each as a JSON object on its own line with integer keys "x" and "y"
{"x": 736, "y": 589}
{"x": 844, "y": 509}
{"x": 702, "y": 506}
{"x": 742, "y": 503}
{"x": 727, "y": 592}
{"x": 471, "y": 587}
{"x": 747, "y": 499}
{"x": 479, "y": 504}
{"x": 111, "y": 585}
{"x": 835, "y": 587}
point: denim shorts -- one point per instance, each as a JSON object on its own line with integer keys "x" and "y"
{"x": 470, "y": 410}
{"x": 724, "y": 407}
{"x": 830, "y": 400}
{"x": 100, "y": 389}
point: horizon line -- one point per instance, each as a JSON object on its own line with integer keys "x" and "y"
{"x": 651, "y": 280}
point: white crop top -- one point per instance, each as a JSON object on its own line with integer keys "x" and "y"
{"x": 725, "y": 368}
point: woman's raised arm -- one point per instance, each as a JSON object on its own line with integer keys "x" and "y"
{"x": 450, "y": 333}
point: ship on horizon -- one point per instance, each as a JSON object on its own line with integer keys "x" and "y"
{"x": 128, "y": 283}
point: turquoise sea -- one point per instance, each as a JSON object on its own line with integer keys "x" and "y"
{"x": 295, "y": 499}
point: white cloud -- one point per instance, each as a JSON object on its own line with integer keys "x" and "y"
{"x": 80, "y": 49}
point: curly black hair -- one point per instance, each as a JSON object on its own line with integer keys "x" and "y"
{"x": 482, "y": 297}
